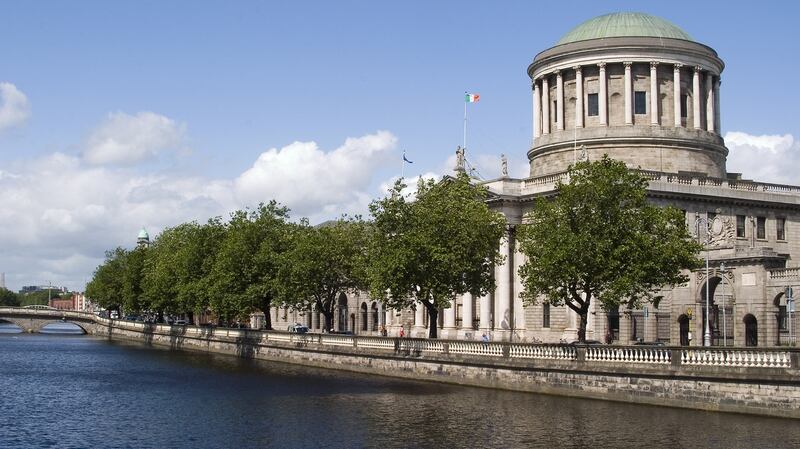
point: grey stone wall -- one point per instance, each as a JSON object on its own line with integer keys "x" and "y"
{"x": 765, "y": 391}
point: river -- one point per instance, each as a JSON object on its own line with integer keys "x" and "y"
{"x": 77, "y": 391}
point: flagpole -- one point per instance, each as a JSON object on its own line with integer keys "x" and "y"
{"x": 403, "y": 170}
{"x": 465, "y": 122}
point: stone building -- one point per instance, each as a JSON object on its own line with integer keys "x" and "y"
{"x": 641, "y": 90}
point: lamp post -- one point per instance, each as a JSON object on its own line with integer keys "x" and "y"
{"x": 707, "y": 331}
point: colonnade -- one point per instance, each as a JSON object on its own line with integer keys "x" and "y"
{"x": 710, "y": 96}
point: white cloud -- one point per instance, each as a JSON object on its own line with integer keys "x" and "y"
{"x": 765, "y": 158}
{"x": 309, "y": 180}
{"x": 14, "y": 106}
{"x": 127, "y": 139}
{"x": 60, "y": 213}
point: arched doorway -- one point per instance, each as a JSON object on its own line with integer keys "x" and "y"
{"x": 750, "y": 330}
{"x": 375, "y": 316}
{"x": 343, "y": 313}
{"x": 720, "y": 312}
{"x": 683, "y": 326}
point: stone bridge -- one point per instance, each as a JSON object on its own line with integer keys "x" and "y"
{"x": 32, "y": 319}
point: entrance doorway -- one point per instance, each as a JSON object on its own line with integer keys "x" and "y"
{"x": 683, "y": 325}
{"x": 750, "y": 330}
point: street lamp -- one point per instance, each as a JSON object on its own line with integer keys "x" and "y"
{"x": 698, "y": 220}
{"x": 724, "y": 320}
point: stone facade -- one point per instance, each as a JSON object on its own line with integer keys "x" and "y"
{"x": 652, "y": 101}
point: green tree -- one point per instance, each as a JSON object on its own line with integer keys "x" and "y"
{"x": 132, "y": 297}
{"x": 427, "y": 251}
{"x": 178, "y": 266}
{"x": 8, "y": 298}
{"x": 105, "y": 288}
{"x": 39, "y": 298}
{"x": 244, "y": 273}
{"x": 600, "y": 238}
{"x": 322, "y": 263}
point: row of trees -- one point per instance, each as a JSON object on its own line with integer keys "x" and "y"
{"x": 598, "y": 239}
{"x": 418, "y": 252}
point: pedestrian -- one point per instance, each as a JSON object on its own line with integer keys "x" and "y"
{"x": 485, "y": 339}
{"x": 383, "y": 331}
{"x": 402, "y": 332}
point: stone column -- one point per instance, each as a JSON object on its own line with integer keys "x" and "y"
{"x": 676, "y": 93}
{"x": 537, "y": 113}
{"x": 628, "y": 94}
{"x": 602, "y": 96}
{"x": 545, "y": 106}
{"x": 654, "y": 93}
{"x": 449, "y": 325}
{"x": 717, "y": 124}
{"x": 709, "y": 102}
{"x": 578, "y": 97}
{"x": 559, "y": 101}
{"x": 466, "y": 313}
{"x": 419, "y": 320}
{"x": 696, "y": 97}
{"x": 503, "y": 321}
{"x": 388, "y": 319}
{"x": 486, "y": 313}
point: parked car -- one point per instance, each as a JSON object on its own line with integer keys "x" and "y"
{"x": 297, "y": 328}
{"x": 649, "y": 343}
{"x": 181, "y": 322}
{"x": 587, "y": 342}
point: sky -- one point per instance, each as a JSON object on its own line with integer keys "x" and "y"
{"x": 120, "y": 115}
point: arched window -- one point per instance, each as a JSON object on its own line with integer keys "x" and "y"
{"x": 375, "y": 316}
{"x": 364, "y": 316}
{"x": 750, "y": 330}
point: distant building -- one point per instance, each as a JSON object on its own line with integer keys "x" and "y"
{"x": 65, "y": 303}
{"x": 143, "y": 239}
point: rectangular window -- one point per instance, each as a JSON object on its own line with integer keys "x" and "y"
{"x": 780, "y": 225}
{"x": 593, "y": 105}
{"x": 546, "y": 315}
{"x": 761, "y": 228}
{"x": 782, "y": 321}
{"x": 555, "y": 111}
{"x": 640, "y": 102}
{"x": 684, "y": 106}
{"x": 740, "y": 227}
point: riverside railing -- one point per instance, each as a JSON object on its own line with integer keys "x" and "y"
{"x": 418, "y": 347}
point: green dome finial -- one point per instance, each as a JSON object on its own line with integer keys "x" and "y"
{"x": 624, "y": 24}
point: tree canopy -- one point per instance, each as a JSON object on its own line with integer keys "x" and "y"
{"x": 599, "y": 238}
{"x": 8, "y": 298}
{"x": 322, "y": 263}
{"x": 428, "y": 250}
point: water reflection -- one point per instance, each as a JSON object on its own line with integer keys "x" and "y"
{"x": 9, "y": 328}
{"x": 120, "y": 395}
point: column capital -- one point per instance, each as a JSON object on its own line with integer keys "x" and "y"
{"x": 576, "y": 68}
{"x": 602, "y": 65}
{"x": 653, "y": 64}
{"x": 557, "y": 72}
{"x": 698, "y": 69}
{"x": 627, "y": 64}
{"x": 677, "y": 66}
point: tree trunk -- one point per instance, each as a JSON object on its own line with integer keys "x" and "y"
{"x": 328, "y": 320}
{"x": 583, "y": 314}
{"x": 433, "y": 320}
{"x": 191, "y": 318}
{"x": 266, "y": 305}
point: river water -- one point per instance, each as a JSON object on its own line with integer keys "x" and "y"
{"x": 76, "y": 391}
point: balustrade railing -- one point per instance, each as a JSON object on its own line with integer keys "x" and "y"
{"x": 736, "y": 358}
{"x": 475, "y": 348}
{"x": 549, "y": 352}
{"x": 628, "y": 354}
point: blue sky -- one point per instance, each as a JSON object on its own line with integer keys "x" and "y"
{"x": 203, "y": 90}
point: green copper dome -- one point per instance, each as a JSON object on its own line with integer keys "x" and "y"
{"x": 143, "y": 235}
{"x": 624, "y": 24}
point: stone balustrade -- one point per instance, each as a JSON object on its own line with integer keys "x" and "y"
{"x": 785, "y": 273}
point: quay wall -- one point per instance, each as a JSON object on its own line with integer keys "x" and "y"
{"x": 754, "y": 381}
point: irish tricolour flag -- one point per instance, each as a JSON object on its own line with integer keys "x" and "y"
{"x": 471, "y": 98}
